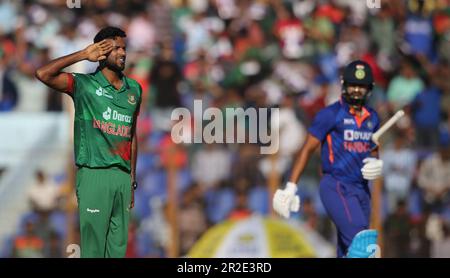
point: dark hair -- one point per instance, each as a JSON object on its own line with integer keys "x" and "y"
{"x": 401, "y": 203}
{"x": 40, "y": 174}
{"x": 109, "y": 32}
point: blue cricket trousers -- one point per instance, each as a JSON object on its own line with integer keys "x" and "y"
{"x": 348, "y": 206}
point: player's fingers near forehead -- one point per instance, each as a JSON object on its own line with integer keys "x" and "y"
{"x": 110, "y": 42}
{"x": 107, "y": 43}
{"x": 105, "y": 50}
{"x": 102, "y": 43}
{"x": 107, "y": 46}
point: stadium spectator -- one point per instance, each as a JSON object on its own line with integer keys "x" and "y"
{"x": 164, "y": 79}
{"x": 397, "y": 229}
{"x": 399, "y": 167}
{"x": 192, "y": 218}
{"x": 309, "y": 214}
{"x": 382, "y": 31}
{"x": 427, "y": 117}
{"x": 28, "y": 245}
{"x": 240, "y": 210}
{"x": 141, "y": 33}
{"x": 434, "y": 177}
{"x": 8, "y": 89}
{"x": 290, "y": 33}
{"x": 404, "y": 87}
{"x": 418, "y": 31}
{"x": 211, "y": 165}
{"x": 441, "y": 248}
{"x": 53, "y": 246}
{"x": 43, "y": 195}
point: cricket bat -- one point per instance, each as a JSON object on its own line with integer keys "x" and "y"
{"x": 376, "y": 136}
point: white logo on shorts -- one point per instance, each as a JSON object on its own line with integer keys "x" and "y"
{"x": 92, "y": 210}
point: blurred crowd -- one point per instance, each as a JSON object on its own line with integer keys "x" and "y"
{"x": 242, "y": 53}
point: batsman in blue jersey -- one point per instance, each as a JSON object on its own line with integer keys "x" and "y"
{"x": 349, "y": 161}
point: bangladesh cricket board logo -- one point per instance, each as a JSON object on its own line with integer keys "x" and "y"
{"x": 132, "y": 99}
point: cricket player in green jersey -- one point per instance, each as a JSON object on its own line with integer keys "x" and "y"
{"x": 106, "y": 108}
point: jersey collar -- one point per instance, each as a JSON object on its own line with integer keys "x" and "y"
{"x": 101, "y": 79}
{"x": 359, "y": 118}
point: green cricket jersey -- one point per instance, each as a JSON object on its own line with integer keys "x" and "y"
{"x": 103, "y": 120}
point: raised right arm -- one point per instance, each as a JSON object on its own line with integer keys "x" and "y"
{"x": 52, "y": 75}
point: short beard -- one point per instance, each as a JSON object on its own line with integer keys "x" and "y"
{"x": 113, "y": 67}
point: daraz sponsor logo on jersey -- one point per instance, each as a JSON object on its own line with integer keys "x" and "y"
{"x": 111, "y": 128}
{"x": 353, "y": 135}
{"x": 116, "y": 116}
{"x": 352, "y": 144}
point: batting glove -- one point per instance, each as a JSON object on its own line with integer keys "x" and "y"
{"x": 285, "y": 201}
{"x": 372, "y": 168}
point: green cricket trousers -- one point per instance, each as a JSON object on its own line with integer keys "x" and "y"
{"x": 104, "y": 197}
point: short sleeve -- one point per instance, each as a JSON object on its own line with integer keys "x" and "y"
{"x": 70, "y": 83}
{"x": 323, "y": 123}
{"x": 73, "y": 81}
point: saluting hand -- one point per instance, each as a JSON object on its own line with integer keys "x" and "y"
{"x": 98, "y": 51}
